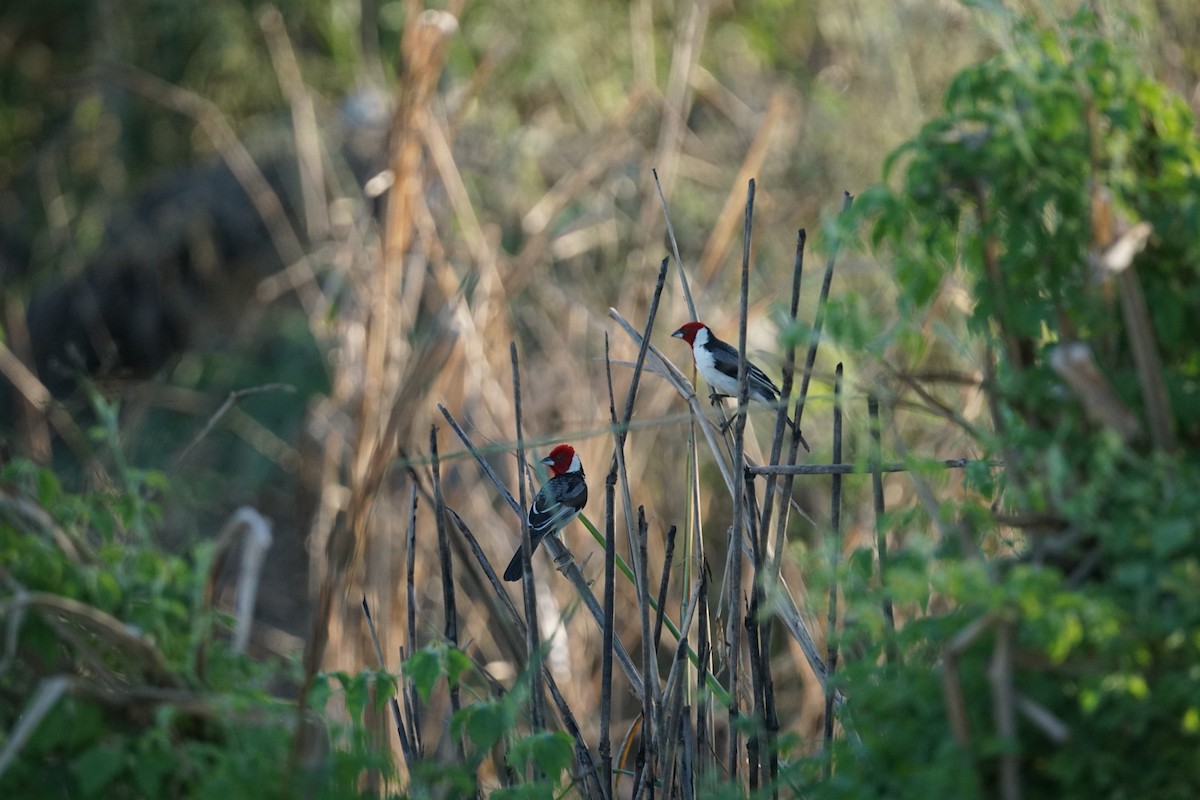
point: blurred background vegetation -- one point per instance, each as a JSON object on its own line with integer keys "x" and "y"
{"x": 133, "y": 135}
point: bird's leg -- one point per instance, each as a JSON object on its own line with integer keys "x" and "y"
{"x": 715, "y": 398}
{"x": 564, "y": 560}
{"x": 726, "y": 423}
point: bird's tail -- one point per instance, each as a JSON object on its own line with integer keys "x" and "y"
{"x": 513, "y": 572}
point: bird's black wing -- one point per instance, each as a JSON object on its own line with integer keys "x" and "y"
{"x": 725, "y": 359}
{"x": 560, "y": 499}
{"x": 757, "y": 379}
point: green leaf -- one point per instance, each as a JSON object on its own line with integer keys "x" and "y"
{"x": 48, "y": 488}
{"x": 484, "y": 724}
{"x": 385, "y": 689}
{"x": 423, "y": 668}
{"x": 552, "y": 752}
{"x": 96, "y": 768}
{"x": 457, "y": 662}
{"x": 1173, "y": 536}
{"x": 358, "y": 694}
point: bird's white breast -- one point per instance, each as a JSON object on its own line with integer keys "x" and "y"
{"x": 707, "y": 367}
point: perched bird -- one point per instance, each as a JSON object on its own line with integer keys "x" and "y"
{"x": 558, "y": 502}
{"x": 717, "y": 363}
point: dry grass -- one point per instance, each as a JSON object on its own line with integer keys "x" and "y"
{"x": 436, "y": 303}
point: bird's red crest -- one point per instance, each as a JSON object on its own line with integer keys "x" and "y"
{"x": 688, "y": 331}
{"x": 560, "y": 459}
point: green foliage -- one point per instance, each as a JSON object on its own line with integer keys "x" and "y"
{"x": 428, "y": 664}
{"x": 156, "y": 705}
{"x": 1009, "y": 191}
{"x": 482, "y": 727}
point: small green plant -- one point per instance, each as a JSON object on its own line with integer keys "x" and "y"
{"x": 116, "y": 682}
{"x": 484, "y": 728}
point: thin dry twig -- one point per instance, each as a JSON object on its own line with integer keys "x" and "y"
{"x": 223, "y": 409}
{"x": 860, "y": 469}
{"x": 401, "y": 733}
{"x": 683, "y": 281}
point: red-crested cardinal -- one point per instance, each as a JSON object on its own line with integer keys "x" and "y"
{"x": 557, "y": 503}
{"x": 717, "y": 363}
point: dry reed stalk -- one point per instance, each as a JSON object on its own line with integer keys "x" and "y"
{"x": 372, "y": 390}
{"x": 718, "y": 242}
{"x": 677, "y": 102}
{"x": 705, "y": 743}
{"x": 304, "y": 123}
{"x": 412, "y": 705}
{"x": 610, "y": 552}
{"x": 446, "y": 561}
{"x": 789, "y": 366}
{"x": 784, "y": 604}
{"x": 663, "y": 585}
{"x": 810, "y": 361}
{"x": 881, "y": 546}
{"x": 401, "y": 729}
{"x": 755, "y": 745}
{"x": 762, "y": 551}
{"x": 648, "y": 752}
{"x": 835, "y": 516}
{"x": 733, "y": 575}
{"x": 529, "y": 589}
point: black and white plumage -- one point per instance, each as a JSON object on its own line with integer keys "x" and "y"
{"x": 557, "y": 503}
{"x": 717, "y": 363}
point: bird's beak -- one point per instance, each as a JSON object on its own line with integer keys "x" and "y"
{"x": 548, "y": 461}
{"x": 677, "y": 334}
